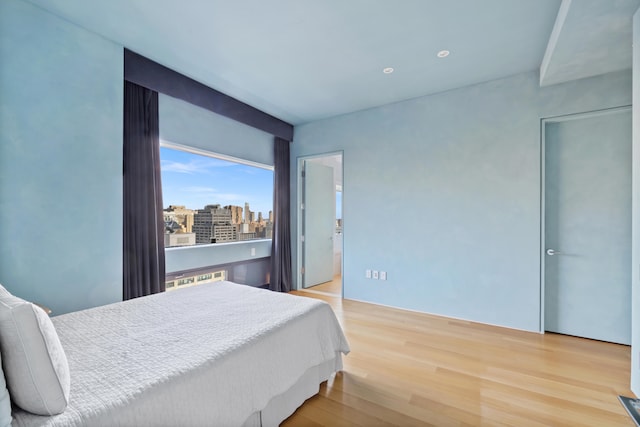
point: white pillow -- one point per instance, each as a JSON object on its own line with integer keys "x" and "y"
{"x": 36, "y": 367}
{"x": 5, "y": 402}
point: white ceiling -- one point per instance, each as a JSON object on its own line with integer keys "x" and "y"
{"x": 590, "y": 37}
{"x": 304, "y": 60}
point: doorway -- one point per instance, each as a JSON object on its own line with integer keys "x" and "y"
{"x": 586, "y": 232}
{"x": 320, "y": 218}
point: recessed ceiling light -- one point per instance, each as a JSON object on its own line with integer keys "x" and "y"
{"x": 388, "y": 70}
{"x": 443, "y": 54}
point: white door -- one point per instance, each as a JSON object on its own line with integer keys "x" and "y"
{"x": 587, "y": 254}
{"x": 319, "y": 223}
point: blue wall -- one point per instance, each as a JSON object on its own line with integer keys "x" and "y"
{"x": 443, "y": 193}
{"x": 192, "y": 257}
{"x": 60, "y": 161}
{"x": 187, "y": 124}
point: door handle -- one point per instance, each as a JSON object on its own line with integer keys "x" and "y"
{"x": 552, "y": 252}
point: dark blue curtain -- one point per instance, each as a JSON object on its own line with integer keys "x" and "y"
{"x": 143, "y": 240}
{"x": 281, "y": 240}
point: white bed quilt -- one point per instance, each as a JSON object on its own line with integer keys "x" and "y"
{"x": 207, "y": 355}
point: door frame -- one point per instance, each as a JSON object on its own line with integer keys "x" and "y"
{"x": 300, "y": 215}
{"x": 543, "y": 245}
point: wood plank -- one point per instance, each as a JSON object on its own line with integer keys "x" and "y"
{"x": 416, "y": 369}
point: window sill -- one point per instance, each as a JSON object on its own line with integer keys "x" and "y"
{"x": 184, "y": 258}
{"x": 242, "y": 243}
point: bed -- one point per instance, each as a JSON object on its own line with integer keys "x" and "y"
{"x": 219, "y": 354}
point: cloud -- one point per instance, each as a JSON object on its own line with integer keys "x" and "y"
{"x": 200, "y": 190}
{"x": 211, "y": 195}
{"x": 195, "y": 166}
{"x": 233, "y": 197}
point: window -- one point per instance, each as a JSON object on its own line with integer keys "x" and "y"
{"x": 211, "y": 199}
{"x": 198, "y": 278}
{"x": 187, "y": 281}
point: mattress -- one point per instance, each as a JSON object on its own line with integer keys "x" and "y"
{"x": 214, "y": 354}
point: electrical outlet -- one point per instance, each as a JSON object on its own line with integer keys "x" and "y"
{"x": 253, "y": 251}
{"x": 367, "y": 274}
{"x": 375, "y": 274}
{"x": 383, "y": 275}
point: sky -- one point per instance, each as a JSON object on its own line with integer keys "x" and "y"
{"x": 194, "y": 181}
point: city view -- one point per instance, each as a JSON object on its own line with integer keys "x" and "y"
{"x": 208, "y": 200}
{"x": 214, "y": 224}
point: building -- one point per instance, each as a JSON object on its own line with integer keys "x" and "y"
{"x": 203, "y": 226}
{"x": 236, "y": 214}
{"x": 179, "y": 239}
{"x": 247, "y": 236}
{"x": 223, "y": 233}
{"x": 247, "y": 213}
{"x": 213, "y": 224}
{"x": 181, "y": 215}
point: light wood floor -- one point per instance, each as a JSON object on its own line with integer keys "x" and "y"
{"x": 332, "y": 288}
{"x": 412, "y": 369}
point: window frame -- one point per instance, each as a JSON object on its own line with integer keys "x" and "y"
{"x": 219, "y": 156}
{"x": 214, "y": 155}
